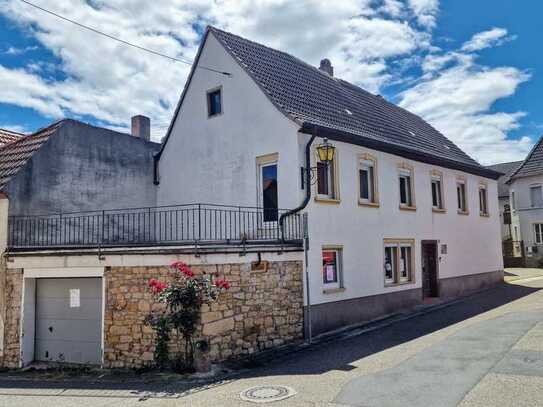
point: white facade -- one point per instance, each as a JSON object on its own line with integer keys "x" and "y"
{"x": 216, "y": 160}
{"x": 526, "y": 213}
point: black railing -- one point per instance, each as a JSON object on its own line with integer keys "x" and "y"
{"x": 156, "y": 226}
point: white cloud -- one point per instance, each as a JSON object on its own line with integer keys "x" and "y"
{"x": 111, "y": 82}
{"x": 19, "y": 51}
{"x": 425, "y": 11}
{"x": 14, "y": 127}
{"x": 486, "y": 39}
{"x": 458, "y": 101}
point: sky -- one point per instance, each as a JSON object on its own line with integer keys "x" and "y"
{"x": 472, "y": 69}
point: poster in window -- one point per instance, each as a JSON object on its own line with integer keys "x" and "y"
{"x": 402, "y": 266}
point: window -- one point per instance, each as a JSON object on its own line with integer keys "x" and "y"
{"x": 327, "y": 188}
{"x": 407, "y": 198}
{"x": 483, "y": 200}
{"x": 536, "y": 196}
{"x": 214, "y": 103}
{"x": 331, "y": 267}
{"x": 461, "y": 196}
{"x": 398, "y": 261}
{"x": 268, "y": 187}
{"x": 513, "y": 202}
{"x": 437, "y": 191}
{"x": 538, "y": 232}
{"x": 367, "y": 178}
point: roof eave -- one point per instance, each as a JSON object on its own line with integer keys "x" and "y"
{"x": 412, "y": 154}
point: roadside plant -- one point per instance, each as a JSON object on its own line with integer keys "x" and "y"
{"x": 183, "y": 298}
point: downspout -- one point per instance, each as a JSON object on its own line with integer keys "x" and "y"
{"x": 307, "y": 186}
{"x": 306, "y": 235}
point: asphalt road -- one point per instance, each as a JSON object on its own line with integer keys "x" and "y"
{"x": 484, "y": 351}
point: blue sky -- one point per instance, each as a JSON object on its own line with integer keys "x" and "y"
{"x": 471, "y": 68}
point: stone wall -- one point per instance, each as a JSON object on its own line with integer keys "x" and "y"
{"x": 263, "y": 308}
{"x": 13, "y": 292}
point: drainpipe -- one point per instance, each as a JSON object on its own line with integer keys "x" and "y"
{"x": 307, "y": 186}
{"x": 306, "y": 234}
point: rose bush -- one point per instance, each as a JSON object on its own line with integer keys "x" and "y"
{"x": 183, "y": 298}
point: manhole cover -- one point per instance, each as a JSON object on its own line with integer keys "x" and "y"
{"x": 267, "y": 394}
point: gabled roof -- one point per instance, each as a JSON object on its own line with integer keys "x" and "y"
{"x": 8, "y": 136}
{"x": 14, "y": 156}
{"x": 532, "y": 165}
{"x": 506, "y": 169}
{"x": 338, "y": 109}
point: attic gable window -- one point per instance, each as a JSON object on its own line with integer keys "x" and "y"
{"x": 214, "y": 102}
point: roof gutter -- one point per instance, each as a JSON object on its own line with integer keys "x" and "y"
{"x": 406, "y": 152}
{"x": 307, "y": 185}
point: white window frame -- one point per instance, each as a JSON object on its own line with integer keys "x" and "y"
{"x": 338, "y": 250}
{"x": 397, "y": 278}
{"x": 405, "y": 170}
{"x": 465, "y": 209}
{"x": 436, "y": 177}
{"x": 483, "y": 189}
{"x": 333, "y": 181}
{"x": 538, "y": 235}
{"x": 369, "y": 164}
{"x": 261, "y": 163}
{"x": 536, "y": 186}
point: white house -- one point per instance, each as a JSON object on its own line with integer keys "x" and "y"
{"x": 401, "y": 213}
{"x": 526, "y": 201}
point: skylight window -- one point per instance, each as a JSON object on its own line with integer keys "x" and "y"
{"x": 348, "y": 112}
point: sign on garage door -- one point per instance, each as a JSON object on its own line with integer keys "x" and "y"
{"x": 69, "y": 320}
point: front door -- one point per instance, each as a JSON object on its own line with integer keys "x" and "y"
{"x": 429, "y": 269}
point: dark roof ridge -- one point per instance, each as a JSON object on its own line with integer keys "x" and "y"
{"x": 527, "y": 159}
{"x": 213, "y": 28}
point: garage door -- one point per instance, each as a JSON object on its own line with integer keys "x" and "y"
{"x": 69, "y": 320}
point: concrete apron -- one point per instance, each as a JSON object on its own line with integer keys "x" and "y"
{"x": 443, "y": 374}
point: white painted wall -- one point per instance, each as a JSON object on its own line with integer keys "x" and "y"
{"x": 213, "y": 160}
{"x": 28, "y": 321}
{"x": 524, "y": 216}
{"x": 474, "y": 242}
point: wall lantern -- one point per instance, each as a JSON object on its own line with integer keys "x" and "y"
{"x": 326, "y": 152}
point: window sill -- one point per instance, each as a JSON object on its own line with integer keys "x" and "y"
{"x": 333, "y": 290}
{"x": 463, "y": 212}
{"x": 484, "y": 215}
{"x": 439, "y": 210}
{"x": 387, "y": 285}
{"x": 368, "y": 204}
{"x": 408, "y": 208}
{"x": 322, "y": 199}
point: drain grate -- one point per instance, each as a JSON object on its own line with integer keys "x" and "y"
{"x": 267, "y": 394}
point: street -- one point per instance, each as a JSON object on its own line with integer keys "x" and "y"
{"x": 486, "y": 350}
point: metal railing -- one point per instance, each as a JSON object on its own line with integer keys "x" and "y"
{"x": 154, "y": 226}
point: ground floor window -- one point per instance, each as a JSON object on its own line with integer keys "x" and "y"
{"x": 332, "y": 267}
{"x": 538, "y": 232}
{"x": 398, "y": 261}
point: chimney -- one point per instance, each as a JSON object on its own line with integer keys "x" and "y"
{"x": 141, "y": 127}
{"x": 326, "y": 66}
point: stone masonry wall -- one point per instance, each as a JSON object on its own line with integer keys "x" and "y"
{"x": 13, "y": 291}
{"x": 262, "y": 309}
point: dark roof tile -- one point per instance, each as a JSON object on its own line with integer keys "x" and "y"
{"x": 308, "y": 95}
{"x": 506, "y": 169}
{"x": 533, "y": 164}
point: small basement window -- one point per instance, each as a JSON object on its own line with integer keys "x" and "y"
{"x": 214, "y": 102}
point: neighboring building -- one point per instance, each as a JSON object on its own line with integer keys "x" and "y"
{"x": 400, "y": 215}
{"x": 8, "y": 136}
{"x": 503, "y": 196}
{"x": 526, "y": 200}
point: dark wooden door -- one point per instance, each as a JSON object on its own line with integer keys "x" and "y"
{"x": 429, "y": 269}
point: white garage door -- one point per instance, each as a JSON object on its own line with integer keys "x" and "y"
{"x": 69, "y": 320}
